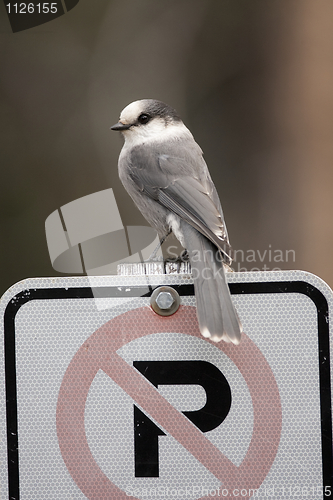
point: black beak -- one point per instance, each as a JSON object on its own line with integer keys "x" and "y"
{"x": 120, "y": 126}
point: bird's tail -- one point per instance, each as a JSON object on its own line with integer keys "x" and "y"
{"x": 218, "y": 319}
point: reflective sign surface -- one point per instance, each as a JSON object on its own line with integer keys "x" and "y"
{"x": 106, "y": 399}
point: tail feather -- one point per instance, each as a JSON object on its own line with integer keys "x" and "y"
{"x": 217, "y": 315}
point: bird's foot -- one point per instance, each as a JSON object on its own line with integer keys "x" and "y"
{"x": 179, "y": 265}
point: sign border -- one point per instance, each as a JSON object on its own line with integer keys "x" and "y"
{"x": 241, "y": 288}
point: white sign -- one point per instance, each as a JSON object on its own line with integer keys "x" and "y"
{"x": 123, "y": 403}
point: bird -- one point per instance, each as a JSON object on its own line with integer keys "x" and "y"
{"x": 163, "y": 170}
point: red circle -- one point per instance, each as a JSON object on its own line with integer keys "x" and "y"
{"x": 99, "y": 351}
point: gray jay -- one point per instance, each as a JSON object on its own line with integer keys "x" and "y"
{"x": 163, "y": 170}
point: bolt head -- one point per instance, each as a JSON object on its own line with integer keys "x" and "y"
{"x": 164, "y": 300}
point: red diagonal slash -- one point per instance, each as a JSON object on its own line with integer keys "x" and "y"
{"x": 99, "y": 352}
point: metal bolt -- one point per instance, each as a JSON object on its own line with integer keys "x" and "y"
{"x": 165, "y": 300}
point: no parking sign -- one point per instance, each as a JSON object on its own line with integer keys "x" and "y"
{"x": 119, "y": 402}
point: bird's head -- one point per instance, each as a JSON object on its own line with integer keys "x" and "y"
{"x": 146, "y": 119}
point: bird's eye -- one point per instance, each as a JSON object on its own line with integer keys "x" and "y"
{"x": 143, "y": 118}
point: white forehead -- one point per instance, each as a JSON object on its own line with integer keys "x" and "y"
{"x": 131, "y": 112}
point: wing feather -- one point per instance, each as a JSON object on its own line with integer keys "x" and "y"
{"x": 183, "y": 185}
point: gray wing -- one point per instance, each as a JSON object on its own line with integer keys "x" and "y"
{"x": 181, "y": 182}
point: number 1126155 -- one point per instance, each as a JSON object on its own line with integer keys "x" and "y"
{"x": 30, "y": 8}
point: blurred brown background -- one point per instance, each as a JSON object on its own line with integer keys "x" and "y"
{"x": 252, "y": 79}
